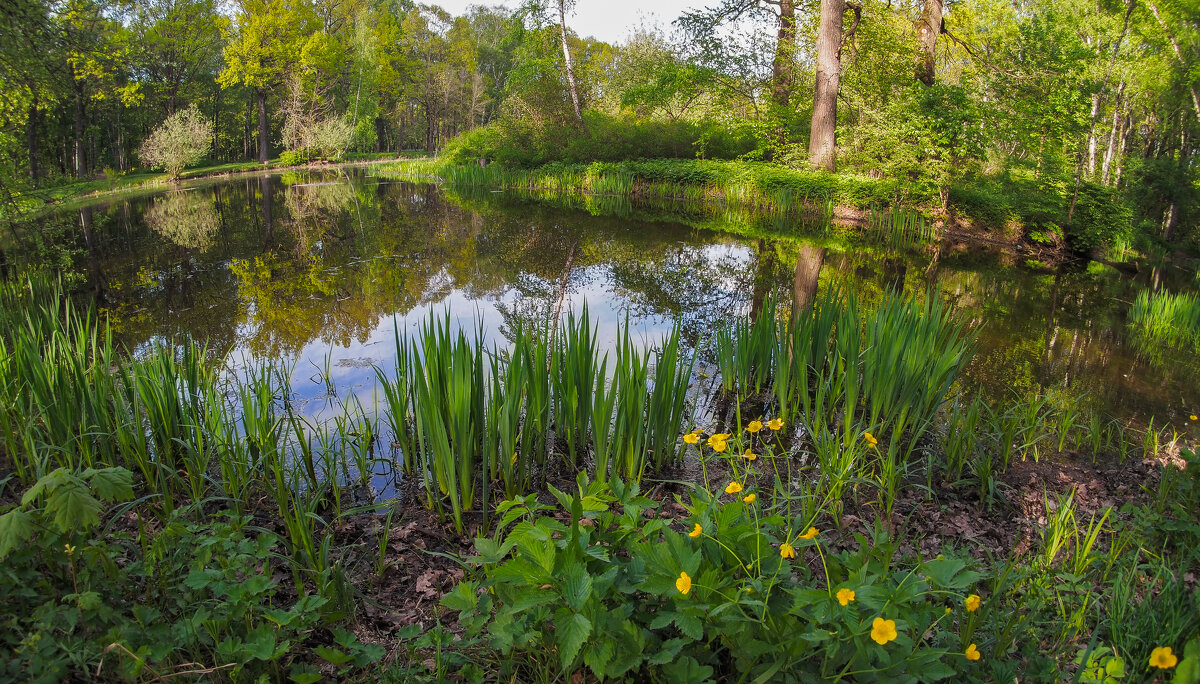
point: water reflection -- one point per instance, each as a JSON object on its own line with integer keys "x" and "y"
{"x": 320, "y": 267}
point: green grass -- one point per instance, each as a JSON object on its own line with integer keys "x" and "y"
{"x": 1172, "y": 319}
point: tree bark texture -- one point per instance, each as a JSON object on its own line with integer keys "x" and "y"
{"x": 822, "y": 141}
{"x": 562, "y": 28}
{"x": 79, "y": 162}
{"x": 264, "y": 133}
{"x": 783, "y": 68}
{"x": 929, "y": 27}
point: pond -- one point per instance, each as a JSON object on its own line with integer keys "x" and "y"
{"x": 319, "y": 268}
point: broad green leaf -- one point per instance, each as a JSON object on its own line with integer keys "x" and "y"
{"x": 577, "y": 587}
{"x": 572, "y": 633}
{"x": 15, "y": 529}
{"x": 73, "y": 508}
{"x": 110, "y": 484}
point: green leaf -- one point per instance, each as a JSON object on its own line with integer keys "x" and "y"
{"x": 73, "y": 508}
{"x": 577, "y": 587}
{"x": 572, "y": 634}
{"x": 260, "y": 643}
{"x": 333, "y": 655}
{"x": 15, "y": 529}
{"x": 462, "y": 597}
{"x": 47, "y": 484}
{"x": 110, "y": 484}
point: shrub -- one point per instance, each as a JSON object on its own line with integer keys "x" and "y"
{"x": 183, "y": 139}
{"x": 618, "y": 591}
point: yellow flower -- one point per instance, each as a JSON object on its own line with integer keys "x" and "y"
{"x": 870, "y": 439}
{"x": 733, "y": 487}
{"x": 754, "y": 426}
{"x": 691, "y": 438}
{"x": 811, "y": 533}
{"x": 1192, "y": 417}
{"x": 786, "y": 550}
{"x": 684, "y": 583}
{"x": 69, "y": 549}
{"x": 972, "y": 653}
{"x": 750, "y": 498}
{"x": 1162, "y": 658}
{"x": 775, "y": 423}
{"x": 883, "y": 631}
{"x": 948, "y": 610}
{"x": 749, "y": 455}
{"x": 719, "y": 437}
{"x": 717, "y": 446}
{"x": 696, "y": 531}
{"x": 972, "y": 603}
{"x": 845, "y": 596}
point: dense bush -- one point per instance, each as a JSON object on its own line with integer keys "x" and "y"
{"x": 524, "y": 144}
{"x": 183, "y": 139}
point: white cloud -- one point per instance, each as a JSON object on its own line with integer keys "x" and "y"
{"x": 608, "y": 20}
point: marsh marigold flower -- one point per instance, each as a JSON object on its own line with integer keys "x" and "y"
{"x": 811, "y": 533}
{"x": 733, "y": 487}
{"x": 883, "y": 631}
{"x": 754, "y": 426}
{"x": 972, "y": 653}
{"x": 845, "y": 596}
{"x": 1192, "y": 417}
{"x": 696, "y": 531}
{"x": 691, "y": 438}
{"x": 1163, "y": 658}
{"x": 750, "y": 498}
{"x": 775, "y": 423}
{"x": 786, "y": 550}
{"x": 684, "y": 583}
{"x": 749, "y": 455}
{"x": 717, "y": 446}
{"x": 972, "y": 603}
{"x": 870, "y": 439}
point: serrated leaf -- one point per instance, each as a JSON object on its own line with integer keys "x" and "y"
{"x": 73, "y": 508}
{"x": 46, "y": 484}
{"x": 110, "y": 484}
{"x": 462, "y": 597}
{"x": 577, "y": 587}
{"x": 332, "y": 655}
{"x": 690, "y": 626}
{"x": 15, "y": 529}
{"x": 260, "y": 643}
{"x": 572, "y": 634}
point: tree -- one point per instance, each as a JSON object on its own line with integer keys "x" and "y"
{"x": 929, "y": 26}
{"x": 181, "y": 140}
{"x": 822, "y": 140}
{"x": 566, "y": 48}
{"x": 265, "y": 45}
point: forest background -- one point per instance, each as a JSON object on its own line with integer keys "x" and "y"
{"x": 1074, "y": 123}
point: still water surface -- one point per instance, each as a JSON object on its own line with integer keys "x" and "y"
{"x": 319, "y": 269}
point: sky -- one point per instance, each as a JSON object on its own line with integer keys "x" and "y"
{"x": 609, "y": 20}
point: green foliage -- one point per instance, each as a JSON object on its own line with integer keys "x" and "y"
{"x": 1165, "y": 317}
{"x": 623, "y": 594}
{"x": 183, "y": 139}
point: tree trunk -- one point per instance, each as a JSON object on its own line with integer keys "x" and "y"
{"x": 808, "y": 267}
{"x": 928, "y": 29}
{"x": 1091, "y": 137}
{"x": 1117, "y": 123}
{"x": 821, "y": 143}
{"x": 782, "y": 68}
{"x": 31, "y": 141}
{"x": 562, "y": 28}
{"x": 78, "y": 162}
{"x": 264, "y": 150}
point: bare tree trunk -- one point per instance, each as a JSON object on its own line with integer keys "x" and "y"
{"x": 928, "y": 29}
{"x": 1091, "y": 139}
{"x": 31, "y": 140}
{"x": 79, "y": 162}
{"x": 782, "y": 68}
{"x": 1117, "y": 123}
{"x": 1125, "y": 129}
{"x": 264, "y": 154}
{"x": 808, "y": 268}
{"x": 562, "y": 28}
{"x": 822, "y": 141}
